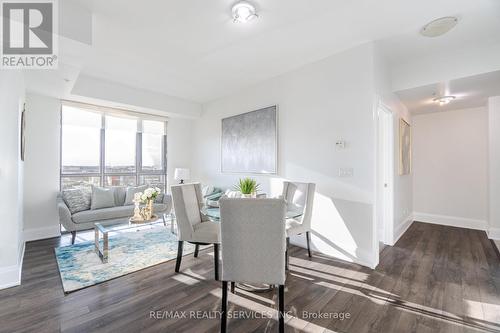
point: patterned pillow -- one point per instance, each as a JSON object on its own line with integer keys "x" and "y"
{"x": 159, "y": 198}
{"x": 77, "y": 199}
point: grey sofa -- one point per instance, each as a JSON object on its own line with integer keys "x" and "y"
{"x": 118, "y": 214}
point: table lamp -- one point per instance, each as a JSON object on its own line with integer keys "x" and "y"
{"x": 181, "y": 174}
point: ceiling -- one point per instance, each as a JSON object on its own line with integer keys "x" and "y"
{"x": 194, "y": 51}
{"x": 470, "y": 92}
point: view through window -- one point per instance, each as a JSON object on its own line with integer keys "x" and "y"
{"x": 111, "y": 149}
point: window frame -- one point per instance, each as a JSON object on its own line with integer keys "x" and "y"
{"x": 102, "y": 174}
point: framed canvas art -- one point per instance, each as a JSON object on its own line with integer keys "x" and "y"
{"x": 249, "y": 142}
{"x": 404, "y": 148}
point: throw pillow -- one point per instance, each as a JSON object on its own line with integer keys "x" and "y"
{"x": 159, "y": 198}
{"x": 131, "y": 191}
{"x": 102, "y": 198}
{"x": 77, "y": 199}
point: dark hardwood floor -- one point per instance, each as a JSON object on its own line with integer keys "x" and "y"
{"x": 435, "y": 279}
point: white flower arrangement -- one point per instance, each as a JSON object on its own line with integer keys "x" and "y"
{"x": 149, "y": 194}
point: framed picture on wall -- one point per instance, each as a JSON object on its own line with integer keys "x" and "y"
{"x": 249, "y": 142}
{"x": 404, "y": 147}
{"x": 23, "y": 132}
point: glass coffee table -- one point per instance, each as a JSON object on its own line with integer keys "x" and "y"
{"x": 105, "y": 230}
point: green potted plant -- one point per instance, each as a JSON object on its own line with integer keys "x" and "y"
{"x": 248, "y": 187}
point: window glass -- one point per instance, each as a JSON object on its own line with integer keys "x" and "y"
{"x": 152, "y": 145}
{"x": 120, "y": 145}
{"x": 83, "y": 136}
{"x": 80, "y": 181}
{"x": 153, "y": 180}
{"x": 78, "y": 155}
{"x": 119, "y": 180}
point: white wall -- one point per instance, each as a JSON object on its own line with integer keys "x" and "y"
{"x": 11, "y": 178}
{"x": 42, "y": 162}
{"x": 450, "y": 167}
{"x": 179, "y": 146}
{"x": 318, "y": 104}
{"x": 452, "y": 63}
{"x": 402, "y": 184}
{"x": 494, "y": 167}
{"x": 42, "y": 165}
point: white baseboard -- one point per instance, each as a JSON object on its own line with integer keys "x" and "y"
{"x": 11, "y": 276}
{"x": 42, "y": 233}
{"x": 401, "y": 229}
{"x": 494, "y": 233}
{"x": 452, "y": 221}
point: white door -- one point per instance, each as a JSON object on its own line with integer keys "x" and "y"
{"x": 385, "y": 176}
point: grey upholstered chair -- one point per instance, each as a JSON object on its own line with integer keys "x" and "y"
{"x": 300, "y": 197}
{"x": 192, "y": 226}
{"x": 253, "y": 246}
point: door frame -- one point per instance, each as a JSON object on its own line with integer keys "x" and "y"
{"x": 385, "y": 175}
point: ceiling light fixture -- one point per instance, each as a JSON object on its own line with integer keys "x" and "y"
{"x": 243, "y": 12}
{"x": 443, "y": 100}
{"x": 439, "y": 27}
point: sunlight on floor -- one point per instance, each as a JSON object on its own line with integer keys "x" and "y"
{"x": 186, "y": 279}
{"x": 295, "y": 322}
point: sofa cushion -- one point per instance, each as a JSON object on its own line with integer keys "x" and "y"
{"x": 131, "y": 191}
{"x": 102, "y": 198}
{"x": 103, "y": 214}
{"x": 120, "y": 193}
{"x": 112, "y": 213}
{"x": 77, "y": 199}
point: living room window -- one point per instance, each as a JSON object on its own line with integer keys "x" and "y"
{"x": 108, "y": 147}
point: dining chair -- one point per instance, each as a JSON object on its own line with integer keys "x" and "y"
{"x": 192, "y": 226}
{"x": 253, "y": 246}
{"x": 299, "y": 197}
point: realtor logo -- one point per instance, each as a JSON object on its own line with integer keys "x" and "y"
{"x": 29, "y": 34}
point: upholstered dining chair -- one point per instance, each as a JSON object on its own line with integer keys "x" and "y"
{"x": 253, "y": 246}
{"x": 192, "y": 226}
{"x": 299, "y": 197}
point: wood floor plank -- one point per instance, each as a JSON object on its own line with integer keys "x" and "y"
{"x": 434, "y": 279}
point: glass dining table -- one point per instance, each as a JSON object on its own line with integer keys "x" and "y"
{"x": 213, "y": 213}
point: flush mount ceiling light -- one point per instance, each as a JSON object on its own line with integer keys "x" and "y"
{"x": 443, "y": 100}
{"x": 439, "y": 27}
{"x": 243, "y": 12}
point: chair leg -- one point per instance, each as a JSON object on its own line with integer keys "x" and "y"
{"x": 281, "y": 314}
{"x": 223, "y": 314}
{"x": 196, "y": 250}
{"x": 286, "y": 253}
{"x": 164, "y": 220}
{"x": 73, "y": 236}
{"x": 216, "y": 262}
{"x": 179, "y": 256}
{"x": 232, "y": 287}
{"x": 308, "y": 239}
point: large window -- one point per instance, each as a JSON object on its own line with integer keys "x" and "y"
{"x": 111, "y": 148}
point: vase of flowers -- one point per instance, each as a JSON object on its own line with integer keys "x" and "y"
{"x": 248, "y": 187}
{"x": 148, "y": 197}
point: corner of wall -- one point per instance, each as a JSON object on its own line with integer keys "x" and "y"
{"x": 494, "y": 233}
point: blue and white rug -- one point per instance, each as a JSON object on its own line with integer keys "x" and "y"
{"x": 80, "y": 267}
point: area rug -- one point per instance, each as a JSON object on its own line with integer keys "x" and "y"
{"x": 80, "y": 267}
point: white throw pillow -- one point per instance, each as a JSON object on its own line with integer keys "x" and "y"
{"x": 131, "y": 191}
{"x": 102, "y": 198}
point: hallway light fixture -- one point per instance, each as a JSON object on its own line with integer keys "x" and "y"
{"x": 439, "y": 26}
{"x": 243, "y": 12}
{"x": 443, "y": 100}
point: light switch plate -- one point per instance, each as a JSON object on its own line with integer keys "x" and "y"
{"x": 346, "y": 172}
